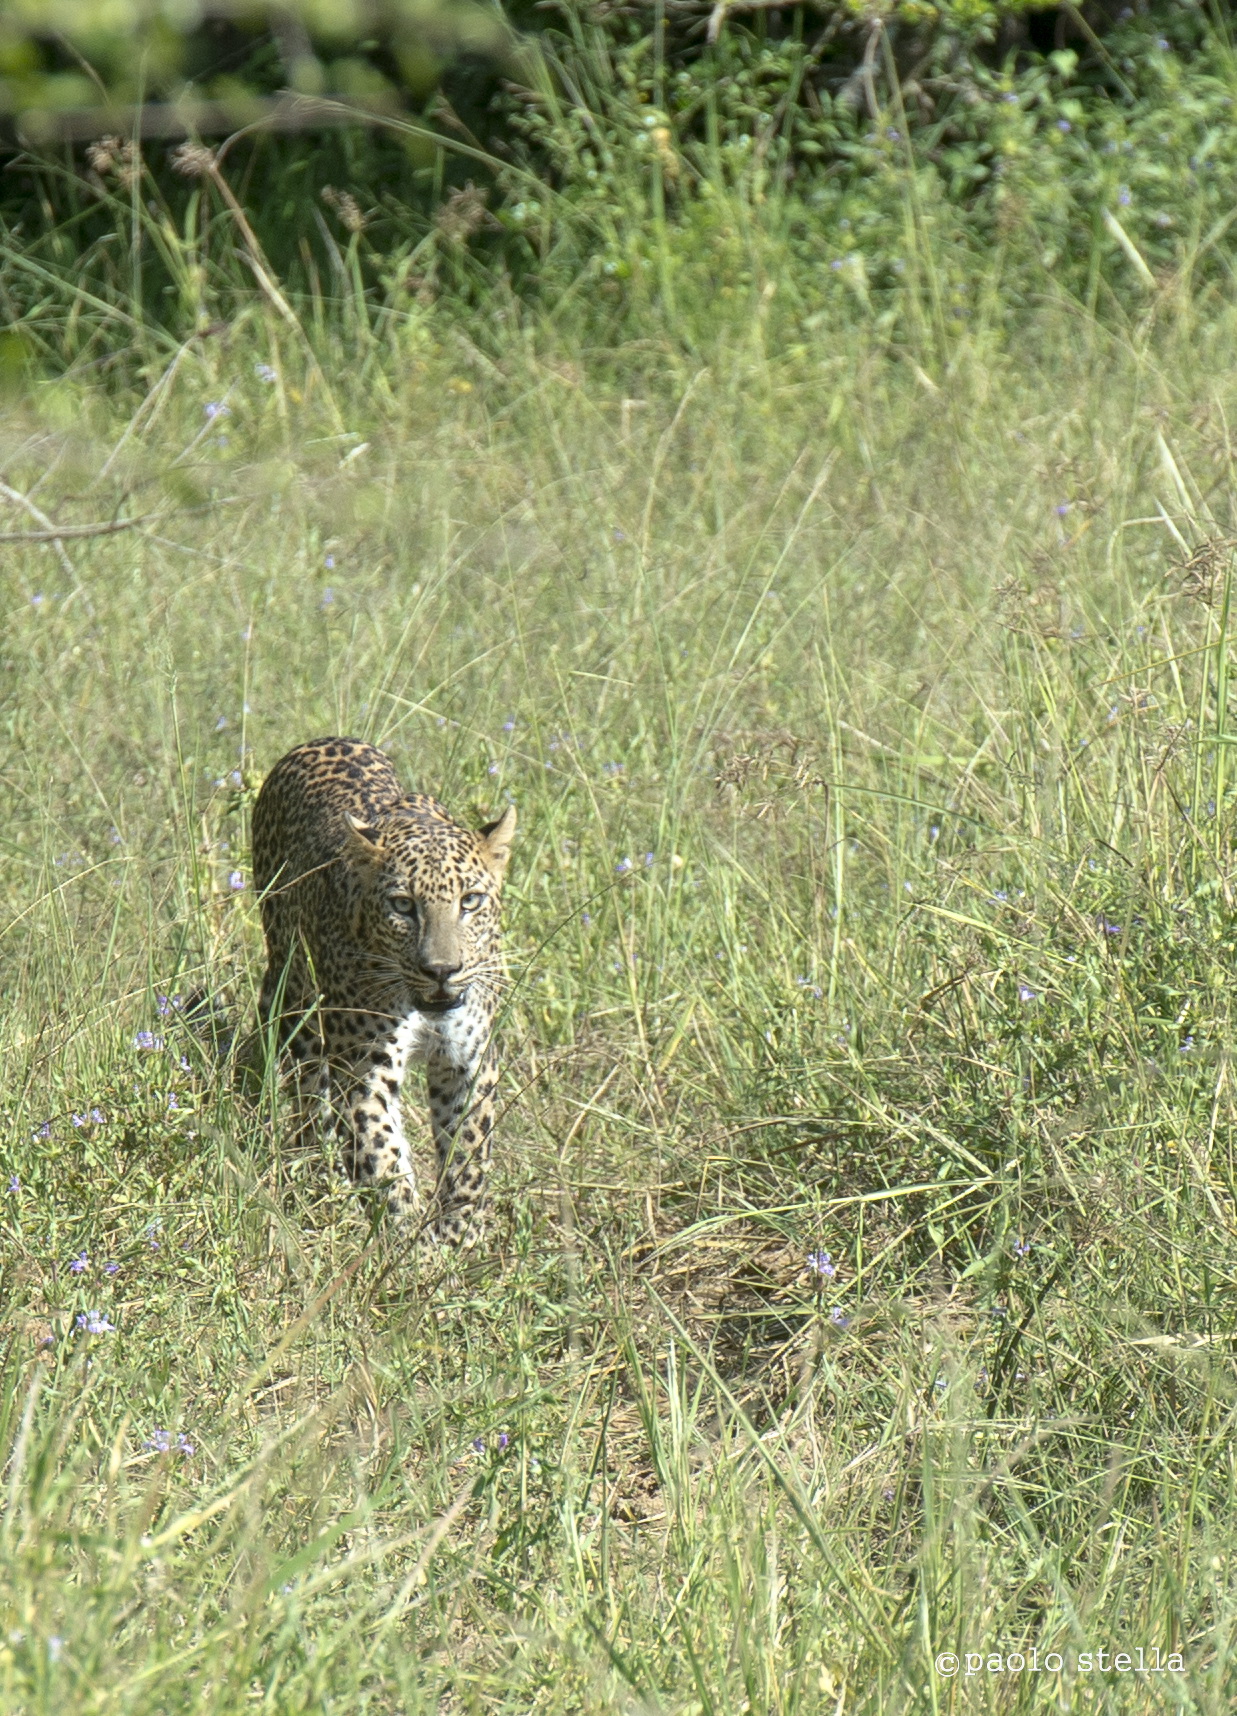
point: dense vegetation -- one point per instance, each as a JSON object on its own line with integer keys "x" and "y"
{"x": 847, "y": 609}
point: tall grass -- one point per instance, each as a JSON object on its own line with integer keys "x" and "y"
{"x": 865, "y": 703}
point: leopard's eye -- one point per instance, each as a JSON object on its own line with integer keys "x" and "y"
{"x": 403, "y": 904}
{"x": 472, "y": 902}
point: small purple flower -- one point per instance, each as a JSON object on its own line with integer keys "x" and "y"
{"x": 1064, "y": 125}
{"x": 619, "y": 535}
{"x": 221, "y": 724}
{"x": 184, "y": 1445}
{"x": 478, "y": 1446}
{"x": 821, "y": 1263}
{"x": 111, "y": 1269}
{"x": 493, "y": 769}
{"x": 1123, "y": 196}
{"x": 586, "y": 918}
{"x": 329, "y": 562}
{"x": 1108, "y": 928}
{"x": 264, "y": 372}
{"x": 1009, "y": 96}
{"x": 503, "y": 1438}
{"x": 649, "y": 860}
{"x": 1026, "y": 993}
{"x": 838, "y": 1318}
{"x": 1061, "y": 508}
{"x": 215, "y": 409}
{"x": 624, "y": 865}
{"x": 509, "y": 725}
{"x": 328, "y": 598}
{"x": 183, "y": 1063}
{"x": 78, "y": 1119}
{"x": 893, "y": 134}
{"x": 172, "y": 1102}
{"x": 79, "y": 1264}
{"x": 43, "y": 1131}
{"x": 38, "y": 599}
{"x": 1022, "y": 1248}
{"x": 1186, "y": 1045}
{"x": 169, "y": 1004}
{"x": 236, "y": 881}
{"x": 158, "y": 1442}
{"x": 14, "y": 1183}
{"x": 147, "y": 1040}
{"x": 94, "y": 1323}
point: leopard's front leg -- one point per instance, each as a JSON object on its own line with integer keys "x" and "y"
{"x": 462, "y": 1105}
{"x": 366, "y": 1055}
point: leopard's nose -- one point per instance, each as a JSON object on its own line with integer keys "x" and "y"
{"x": 442, "y": 971}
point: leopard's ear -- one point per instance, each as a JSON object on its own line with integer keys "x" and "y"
{"x": 496, "y": 837}
{"x": 364, "y": 841}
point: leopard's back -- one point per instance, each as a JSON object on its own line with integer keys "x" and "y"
{"x": 300, "y": 820}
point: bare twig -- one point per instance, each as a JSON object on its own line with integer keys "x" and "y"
{"x": 70, "y": 532}
{"x": 49, "y": 532}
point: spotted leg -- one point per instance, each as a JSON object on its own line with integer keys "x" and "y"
{"x": 366, "y": 1056}
{"x": 462, "y": 1116}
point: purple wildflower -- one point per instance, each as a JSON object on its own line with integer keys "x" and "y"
{"x": 14, "y": 1183}
{"x": 503, "y": 1438}
{"x": 624, "y": 865}
{"x": 329, "y": 562}
{"x": 264, "y": 372}
{"x": 1026, "y": 993}
{"x": 215, "y": 408}
{"x": 94, "y": 1323}
{"x": 43, "y": 1131}
{"x": 838, "y": 1318}
{"x": 478, "y": 1446}
{"x": 147, "y": 1040}
{"x": 111, "y": 1269}
{"x": 821, "y": 1263}
{"x": 1022, "y": 1247}
{"x": 96, "y": 1117}
{"x": 236, "y": 881}
{"x": 79, "y": 1264}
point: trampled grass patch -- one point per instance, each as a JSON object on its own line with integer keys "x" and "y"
{"x": 858, "y": 1281}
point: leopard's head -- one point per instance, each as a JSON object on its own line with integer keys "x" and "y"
{"x": 428, "y": 910}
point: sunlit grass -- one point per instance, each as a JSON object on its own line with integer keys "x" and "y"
{"x": 872, "y": 898}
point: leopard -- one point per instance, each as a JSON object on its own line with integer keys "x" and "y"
{"x": 382, "y": 921}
